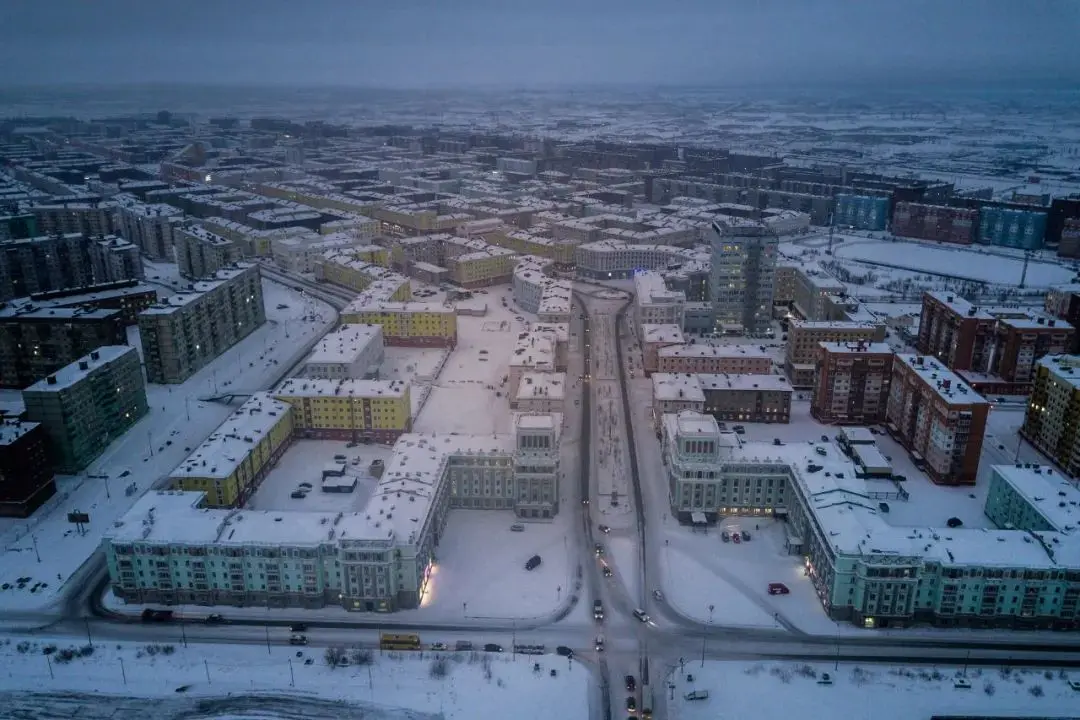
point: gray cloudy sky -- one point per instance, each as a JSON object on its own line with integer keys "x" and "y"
{"x": 425, "y": 43}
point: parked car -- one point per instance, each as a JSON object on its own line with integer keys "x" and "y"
{"x": 739, "y": 430}
{"x": 215, "y": 619}
{"x": 736, "y": 538}
{"x": 564, "y": 651}
{"x": 533, "y": 563}
{"x": 149, "y": 615}
{"x": 604, "y": 529}
{"x": 778, "y": 589}
{"x": 492, "y": 647}
{"x": 438, "y": 646}
{"x": 745, "y": 536}
{"x": 631, "y": 684}
{"x": 824, "y": 438}
{"x": 298, "y": 639}
{"x": 463, "y": 646}
{"x": 517, "y": 527}
{"x": 725, "y": 536}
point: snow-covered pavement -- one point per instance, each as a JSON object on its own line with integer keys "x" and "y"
{"x": 45, "y": 550}
{"x": 225, "y": 681}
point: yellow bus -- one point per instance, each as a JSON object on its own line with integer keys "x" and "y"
{"x": 399, "y": 641}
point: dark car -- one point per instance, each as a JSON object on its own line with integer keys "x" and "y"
{"x": 746, "y": 536}
{"x": 533, "y": 563}
{"x": 631, "y": 704}
{"x": 298, "y": 627}
{"x": 824, "y": 438}
{"x": 564, "y": 651}
{"x": 724, "y": 536}
{"x": 215, "y": 619}
{"x": 607, "y": 571}
{"x": 778, "y": 589}
{"x": 631, "y": 684}
{"x": 149, "y": 615}
{"x": 598, "y": 549}
{"x": 463, "y": 645}
{"x": 492, "y": 647}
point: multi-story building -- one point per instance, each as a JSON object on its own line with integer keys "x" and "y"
{"x": 534, "y": 351}
{"x": 169, "y": 548}
{"x": 185, "y": 331}
{"x": 348, "y": 409}
{"x": 863, "y": 212}
{"x": 613, "y": 259}
{"x": 1011, "y": 227}
{"x": 655, "y": 337}
{"x": 299, "y": 253}
{"x": 349, "y": 352}
{"x": 540, "y": 392}
{"x": 230, "y": 464}
{"x": 150, "y": 227}
{"x": 1018, "y": 343}
{"x": 1063, "y": 302}
{"x": 534, "y": 292}
{"x": 744, "y": 256}
{"x": 851, "y": 383}
{"x": 86, "y": 405}
{"x": 26, "y": 475}
{"x": 654, "y": 304}
{"x": 714, "y": 359}
{"x": 201, "y": 253}
{"x": 938, "y": 417}
{"x": 130, "y": 297}
{"x": 90, "y": 219}
{"x": 814, "y": 292}
{"x": 954, "y": 331}
{"x": 492, "y": 265}
{"x": 62, "y": 262}
{"x": 1026, "y": 575}
{"x": 784, "y": 284}
{"x": 805, "y": 338}
{"x": 741, "y": 398}
{"x": 36, "y": 342}
{"x": 935, "y": 222}
{"x": 1050, "y": 420}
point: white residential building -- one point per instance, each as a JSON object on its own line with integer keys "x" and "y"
{"x": 350, "y": 352}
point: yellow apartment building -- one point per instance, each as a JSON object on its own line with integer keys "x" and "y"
{"x": 348, "y": 409}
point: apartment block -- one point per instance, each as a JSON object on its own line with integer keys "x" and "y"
{"x": 744, "y": 254}
{"x": 130, "y": 297}
{"x": 1050, "y": 422}
{"x": 185, "y": 331}
{"x": 714, "y": 359}
{"x": 805, "y": 338}
{"x": 738, "y": 398}
{"x": 654, "y": 304}
{"x": 148, "y": 226}
{"x": 1063, "y": 302}
{"x": 814, "y": 293}
{"x": 540, "y": 392}
{"x": 480, "y": 268}
{"x": 784, "y": 284}
{"x": 36, "y": 341}
{"x": 935, "y": 222}
{"x": 201, "y": 253}
{"x": 62, "y": 262}
{"x": 90, "y": 219}
{"x": 653, "y": 339}
{"x": 88, "y": 404}
{"x": 938, "y": 417}
{"x": 535, "y": 292}
{"x": 851, "y": 383}
{"x": 230, "y": 464}
{"x": 349, "y": 352}
{"x": 26, "y": 475}
{"x": 379, "y": 410}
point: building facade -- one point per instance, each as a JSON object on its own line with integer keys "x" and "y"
{"x": 714, "y": 359}
{"x": 26, "y": 475}
{"x": 851, "y": 383}
{"x": 63, "y": 262}
{"x": 185, "y": 331}
{"x": 862, "y": 212}
{"x": 201, "y": 253}
{"x": 804, "y": 343}
{"x": 349, "y": 352}
{"x": 88, "y": 404}
{"x": 379, "y": 410}
{"x": 37, "y": 342}
{"x": 744, "y": 257}
{"x": 1050, "y": 419}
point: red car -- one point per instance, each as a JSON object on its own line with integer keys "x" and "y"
{"x": 735, "y": 538}
{"x": 778, "y": 589}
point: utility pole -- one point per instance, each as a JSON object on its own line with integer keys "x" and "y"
{"x": 267, "y": 639}
{"x": 89, "y": 639}
{"x": 123, "y": 672}
{"x": 206, "y": 667}
{"x": 33, "y": 538}
{"x": 292, "y": 677}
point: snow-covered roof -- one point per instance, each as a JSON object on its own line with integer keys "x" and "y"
{"x": 704, "y": 350}
{"x": 345, "y": 344}
{"x": 726, "y": 381}
{"x": 677, "y": 386}
{"x": 68, "y": 375}
{"x": 1064, "y": 368}
{"x": 345, "y": 387}
{"x": 196, "y": 291}
{"x": 534, "y": 349}
{"x": 663, "y": 333}
{"x": 220, "y": 454}
{"x": 949, "y": 386}
{"x": 12, "y": 430}
{"x": 542, "y": 386}
{"x": 849, "y": 346}
{"x": 1048, "y": 491}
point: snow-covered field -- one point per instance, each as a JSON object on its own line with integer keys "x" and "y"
{"x": 785, "y": 690}
{"x": 234, "y": 681}
{"x": 304, "y": 462}
{"x": 46, "y": 549}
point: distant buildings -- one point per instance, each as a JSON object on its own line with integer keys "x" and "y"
{"x": 935, "y": 222}
{"x": 26, "y": 475}
{"x": 149, "y": 226}
{"x": 938, "y": 417}
{"x": 81, "y": 218}
{"x": 62, "y": 262}
{"x": 1011, "y": 227}
{"x": 36, "y": 341}
{"x": 862, "y": 212}
{"x": 654, "y": 304}
{"x": 851, "y": 383}
{"x": 741, "y": 280}
{"x": 184, "y": 332}
{"x": 86, "y": 405}
{"x": 201, "y": 253}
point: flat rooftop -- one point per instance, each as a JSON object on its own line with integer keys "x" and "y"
{"x": 849, "y": 346}
{"x": 1046, "y": 489}
{"x": 542, "y": 386}
{"x": 68, "y": 375}
{"x": 345, "y": 344}
{"x": 949, "y": 386}
{"x": 220, "y": 454}
{"x": 12, "y": 430}
{"x": 683, "y": 387}
{"x": 319, "y": 387}
{"x": 703, "y": 350}
{"x": 744, "y": 382}
{"x": 671, "y": 334}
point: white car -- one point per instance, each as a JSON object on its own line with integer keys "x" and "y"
{"x": 659, "y": 596}
{"x": 438, "y": 646}
{"x": 641, "y": 615}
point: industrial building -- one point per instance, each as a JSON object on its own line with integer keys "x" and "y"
{"x": 851, "y": 383}
{"x": 937, "y": 417}
{"x": 26, "y": 475}
{"x": 182, "y": 333}
{"x": 88, "y": 404}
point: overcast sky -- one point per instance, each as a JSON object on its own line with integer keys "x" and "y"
{"x": 427, "y": 43}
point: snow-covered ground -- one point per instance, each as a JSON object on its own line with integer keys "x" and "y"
{"x": 233, "y": 681}
{"x": 46, "y": 549}
{"x": 303, "y": 462}
{"x": 785, "y": 690}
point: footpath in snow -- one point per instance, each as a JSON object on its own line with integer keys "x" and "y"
{"x": 57, "y": 679}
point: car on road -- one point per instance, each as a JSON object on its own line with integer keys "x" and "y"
{"x": 641, "y": 615}
{"x": 599, "y": 644}
{"x": 599, "y": 549}
{"x": 215, "y": 619}
{"x": 607, "y": 572}
{"x": 725, "y": 536}
{"x": 298, "y": 639}
{"x": 739, "y": 429}
{"x": 631, "y": 704}
{"x": 150, "y": 615}
{"x": 604, "y": 529}
{"x": 631, "y": 684}
{"x": 492, "y": 647}
{"x": 658, "y": 596}
{"x": 533, "y": 562}
{"x": 438, "y": 646}
{"x": 298, "y": 627}
{"x": 778, "y": 589}
{"x": 564, "y": 651}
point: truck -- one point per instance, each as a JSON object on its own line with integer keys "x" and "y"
{"x": 598, "y": 611}
{"x": 697, "y": 695}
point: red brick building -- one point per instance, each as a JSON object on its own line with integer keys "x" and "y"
{"x": 851, "y": 383}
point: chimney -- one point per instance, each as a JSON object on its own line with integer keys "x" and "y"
{"x": 83, "y": 365}
{"x": 51, "y": 380}
{"x": 95, "y": 355}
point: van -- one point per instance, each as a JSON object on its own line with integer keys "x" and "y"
{"x": 641, "y": 615}
{"x": 517, "y": 527}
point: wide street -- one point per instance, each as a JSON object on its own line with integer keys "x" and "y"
{"x": 617, "y": 563}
